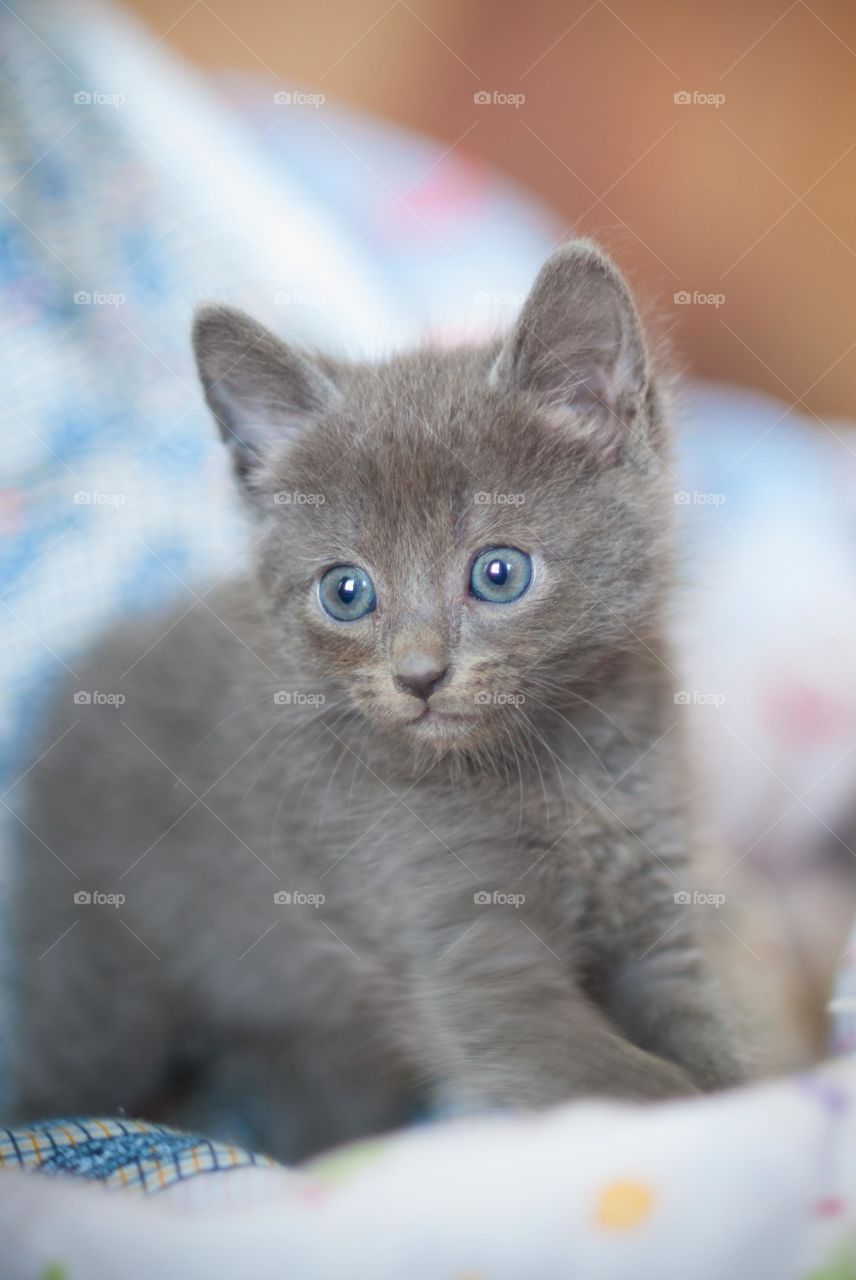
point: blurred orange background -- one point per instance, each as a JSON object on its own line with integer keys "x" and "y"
{"x": 747, "y": 190}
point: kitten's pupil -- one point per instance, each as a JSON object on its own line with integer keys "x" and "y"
{"x": 347, "y": 590}
{"x": 497, "y": 571}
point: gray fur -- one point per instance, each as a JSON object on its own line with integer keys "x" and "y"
{"x": 203, "y": 795}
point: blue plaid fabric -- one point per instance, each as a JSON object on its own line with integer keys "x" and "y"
{"x": 130, "y": 1155}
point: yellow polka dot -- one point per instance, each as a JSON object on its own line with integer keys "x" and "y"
{"x": 622, "y": 1205}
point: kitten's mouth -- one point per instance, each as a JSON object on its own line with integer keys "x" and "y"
{"x": 433, "y": 720}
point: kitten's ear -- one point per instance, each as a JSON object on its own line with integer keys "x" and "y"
{"x": 259, "y": 389}
{"x": 578, "y": 343}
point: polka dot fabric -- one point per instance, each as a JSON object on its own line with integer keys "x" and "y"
{"x": 757, "y": 1183}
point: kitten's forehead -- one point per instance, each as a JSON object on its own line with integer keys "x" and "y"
{"x": 418, "y": 459}
{"x": 421, "y": 463}
{"x": 404, "y": 502}
{"x": 427, "y": 383}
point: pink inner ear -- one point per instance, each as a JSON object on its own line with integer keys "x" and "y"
{"x": 578, "y": 342}
{"x": 599, "y": 388}
{"x": 606, "y": 390}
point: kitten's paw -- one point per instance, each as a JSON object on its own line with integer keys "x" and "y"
{"x": 643, "y": 1077}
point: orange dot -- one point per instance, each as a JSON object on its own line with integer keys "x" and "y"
{"x": 622, "y": 1205}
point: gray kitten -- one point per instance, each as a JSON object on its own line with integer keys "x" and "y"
{"x": 401, "y": 820}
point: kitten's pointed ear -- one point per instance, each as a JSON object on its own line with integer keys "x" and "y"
{"x": 259, "y": 389}
{"x": 578, "y": 342}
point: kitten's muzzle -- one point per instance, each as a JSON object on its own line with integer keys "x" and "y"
{"x": 420, "y": 674}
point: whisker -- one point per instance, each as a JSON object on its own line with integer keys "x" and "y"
{"x": 343, "y": 752}
{"x": 520, "y": 785}
{"x": 575, "y": 730}
{"x": 532, "y": 734}
{"x": 543, "y": 787}
{"x": 564, "y": 764}
{"x": 547, "y": 685}
{"x": 255, "y": 702}
{"x": 311, "y": 723}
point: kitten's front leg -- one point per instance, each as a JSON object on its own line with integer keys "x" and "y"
{"x": 503, "y": 1025}
{"x": 670, "y": 1004}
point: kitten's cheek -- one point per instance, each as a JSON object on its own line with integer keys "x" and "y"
{"x": 341, "y": 647}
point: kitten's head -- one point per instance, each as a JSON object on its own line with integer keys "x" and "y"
{"x": 453, "y": 536}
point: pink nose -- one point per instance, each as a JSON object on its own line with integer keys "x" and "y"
{"x": 419, "y": 673}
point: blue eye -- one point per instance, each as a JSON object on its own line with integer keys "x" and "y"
{"x": 346, "y": 593}
{"x": 500, "y": 575}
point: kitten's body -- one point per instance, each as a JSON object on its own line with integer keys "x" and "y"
{"x": 555, "y": 785}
